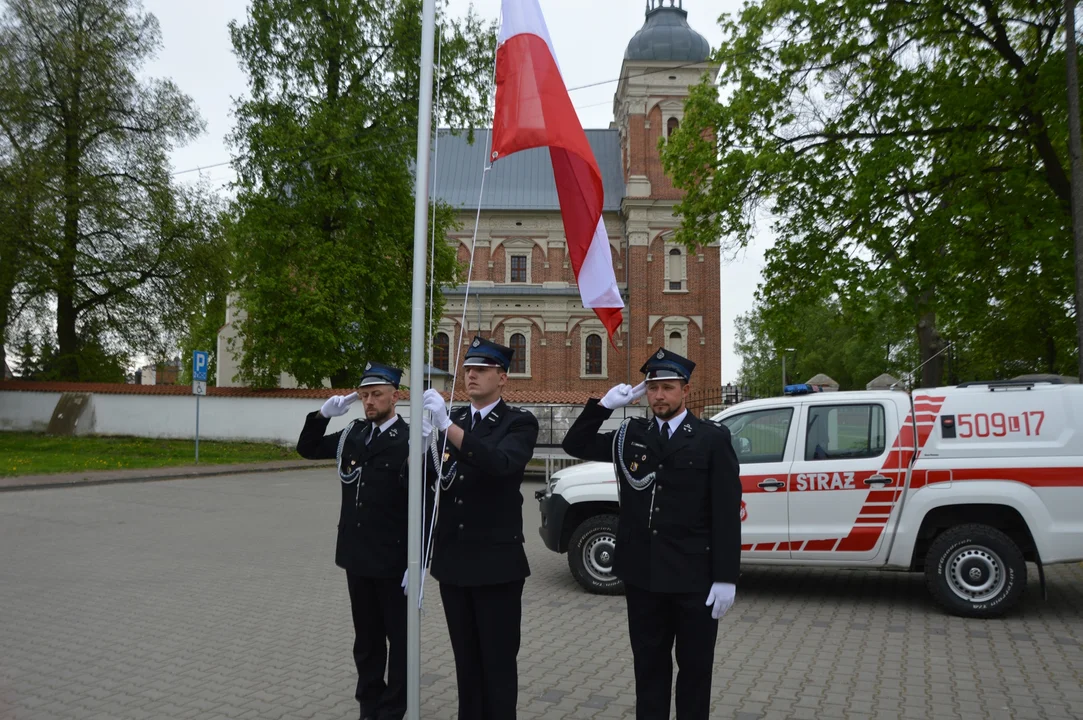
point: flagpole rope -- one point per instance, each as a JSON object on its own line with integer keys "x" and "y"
{"x": 438, "y": 458}
{"x": 432, "y": 195}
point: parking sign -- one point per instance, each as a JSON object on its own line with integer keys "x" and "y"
{"x": 199, "y": 365}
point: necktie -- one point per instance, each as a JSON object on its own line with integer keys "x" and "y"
{"x": 375, "y": 434}
{"x": 665, "y": 431}
{"x": 477, "y": 419}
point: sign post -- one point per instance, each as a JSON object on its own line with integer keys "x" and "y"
{"x": 199, "y": 386}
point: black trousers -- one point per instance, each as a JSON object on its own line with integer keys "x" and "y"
{"x": 483, "y": 623}
{"x": 655, "y": 620}
{"x": 379, "y": 619}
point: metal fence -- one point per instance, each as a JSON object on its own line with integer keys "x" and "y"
{"x": 706, "y": 402}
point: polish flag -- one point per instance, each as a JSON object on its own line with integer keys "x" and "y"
{"x": 533, "y": 109}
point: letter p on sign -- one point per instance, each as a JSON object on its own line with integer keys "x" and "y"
{"x": 199, "y": 365}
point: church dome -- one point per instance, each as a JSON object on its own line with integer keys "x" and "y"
{"x": 666, "y": 36}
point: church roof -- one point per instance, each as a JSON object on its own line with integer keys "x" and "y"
{"x": 523, "y": 181}
{"x": 667, "y": 36}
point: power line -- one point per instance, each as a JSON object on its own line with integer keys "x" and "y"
{"x": 570, "y": 90}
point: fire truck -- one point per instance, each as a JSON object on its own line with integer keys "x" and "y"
{"x": 966, "y": 484}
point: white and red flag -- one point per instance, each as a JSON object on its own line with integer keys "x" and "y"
{"x": 533, "y": 109}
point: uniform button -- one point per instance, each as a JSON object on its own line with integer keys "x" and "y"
{"x": 353, "y": 462}
{"x": 708, "y": 547}
{"x": 460, "y": 477}
{"x": 654, "y": 532}
{"x": 658, "y": 509}
{"x": 460, "y": 526}
{"x": 658, "y": 487}
{"x": 661, "y": 465}
{"x": 470, "y": 454}
{"x": 362, "y": 484}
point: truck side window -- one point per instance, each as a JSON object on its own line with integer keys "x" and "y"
{"x": 845, "y": 432}
{"x": 760, "y": 436}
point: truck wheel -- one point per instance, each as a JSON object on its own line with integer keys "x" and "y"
{"x": 590, "y": 555}
{"x": 975, "y": 571}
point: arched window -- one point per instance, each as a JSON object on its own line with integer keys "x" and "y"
{"x": 441, "y": 347}
{"x": 593, "y": 364}
{"x": 676, "y": 270}
{"x": 518, "y": 360}
{"x": 672, "y": 125}
{"x": 676, "y": 343}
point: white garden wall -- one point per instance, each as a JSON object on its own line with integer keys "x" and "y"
{"x": 261, "y": 419}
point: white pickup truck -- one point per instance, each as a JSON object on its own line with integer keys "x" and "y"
{"x": 965, "y": 483}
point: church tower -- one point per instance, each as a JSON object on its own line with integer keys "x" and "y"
{"x": 677, "y": 303}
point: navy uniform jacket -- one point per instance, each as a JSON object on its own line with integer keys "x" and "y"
{"x": 693, "y": 538}
{"x": 372, "y": 525}
{"x": 479, "y": 530}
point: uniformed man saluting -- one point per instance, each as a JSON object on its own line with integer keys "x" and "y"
{"x": 678, "y": 546}
{"x": 372, "y": 530}
{"x": 478, "y": 555}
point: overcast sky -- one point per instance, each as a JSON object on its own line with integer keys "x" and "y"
{"x": 589, "y": 38}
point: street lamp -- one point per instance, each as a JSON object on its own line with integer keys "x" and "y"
{"x": 784, "y": 351}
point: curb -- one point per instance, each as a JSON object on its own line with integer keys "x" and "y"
{"x": 63, "y": 480}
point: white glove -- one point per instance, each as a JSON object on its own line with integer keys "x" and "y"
{"x": 337, "y": 405}
{"x": 426, "y": 425}
{"x": 434, "y": 403}
{"x": 721, "y": 597}
{"x": 405, "y": 576}
{"x": 621, "y": 395}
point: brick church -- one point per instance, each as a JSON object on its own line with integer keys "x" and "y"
{"x": 522, "y": 291}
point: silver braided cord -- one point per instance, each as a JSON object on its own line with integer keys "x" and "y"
{"x": 350, "y": 477}
{"x": 618, "y": 458}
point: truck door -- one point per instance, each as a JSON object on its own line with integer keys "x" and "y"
{"x": 764, "y": 440}
{"x": 844, "y": 481}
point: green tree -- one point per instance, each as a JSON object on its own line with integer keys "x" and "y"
{"x": 323, "y": 229}
{"x": 118, "y": 263}
{"x": 912, "y": 152}
{"x": 852, "y": 346}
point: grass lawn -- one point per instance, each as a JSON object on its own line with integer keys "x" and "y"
{"x": 24, "y": 453}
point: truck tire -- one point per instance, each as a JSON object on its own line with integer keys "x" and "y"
{"x": 590, "y": 555}
{"x": 975, "y": 571}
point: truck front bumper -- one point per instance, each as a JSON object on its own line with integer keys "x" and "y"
{"x": 553, "y": 509}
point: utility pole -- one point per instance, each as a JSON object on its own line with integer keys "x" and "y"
{"x": 1076, "y": 150}
{"x": 784, "y": 351}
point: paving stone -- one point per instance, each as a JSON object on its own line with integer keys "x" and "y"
{"x": 217, "y": 598}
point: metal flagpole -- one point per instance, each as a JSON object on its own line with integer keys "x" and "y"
{"x": 417, "y": 370}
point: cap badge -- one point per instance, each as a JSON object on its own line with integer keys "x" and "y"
{"x": 661, "y": 354}
{"x": 477, "y": 343}
{"x": 368, "y": 366}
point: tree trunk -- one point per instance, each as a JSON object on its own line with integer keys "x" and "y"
{"x": 929, "y": 344}
{"x": 66, "y": 336}
{"x": 344, "y": 379}
{"x": 66, "y": 314}
{"x": 1076, "y": 150}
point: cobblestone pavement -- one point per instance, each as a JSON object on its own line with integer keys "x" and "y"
{"x": 218, "y": 598}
